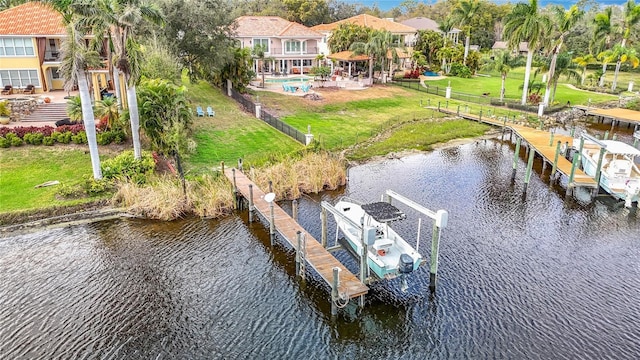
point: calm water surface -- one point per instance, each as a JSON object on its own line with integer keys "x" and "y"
{"x": 521, "y": 277}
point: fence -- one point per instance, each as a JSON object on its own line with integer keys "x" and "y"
{"x": 276, "y": 123}
{"x": 476, "y": 99}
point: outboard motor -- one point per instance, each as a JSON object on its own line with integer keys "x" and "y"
{"x": 406, "y": 264}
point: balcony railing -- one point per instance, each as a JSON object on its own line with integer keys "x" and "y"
{"x": 282, "y": 51}
{"x": 54, "y": 56}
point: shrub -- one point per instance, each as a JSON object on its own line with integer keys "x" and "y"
{"x": 62, "y": 137}
{"x": 79, "y": 138}
{"x": 104, "y": 138}
{"x": 126, "y": 167}
{"x": 69, "y": 191}
{"x": 4, "y": 143}
{"x": 48, "y": 140}
{"x": 74, "y": 129}
{"x": 16, "y": 141}
{"x": 95, "y": 187}
{"x": 534, "y": 98}
{"x": 34, "y": 138}
{"x": 460, "y": 70}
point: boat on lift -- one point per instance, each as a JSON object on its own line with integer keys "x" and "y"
{"x": 388, "y": 254}
{"x": 619, "y": 174}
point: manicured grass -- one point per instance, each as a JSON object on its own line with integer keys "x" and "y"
{"x": 481, "y": 85}
{"x": 21, "y": 169}
{"x": 421, "y": 136}
{"x": 231, "y": 133}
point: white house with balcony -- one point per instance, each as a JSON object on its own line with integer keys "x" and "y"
{"x": 290, "y": 48}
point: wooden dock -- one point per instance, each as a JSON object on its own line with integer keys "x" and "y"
{"x": 538, "y": 140}
{"x": 315, "y": 254}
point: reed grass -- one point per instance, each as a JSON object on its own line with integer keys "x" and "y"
{"x": 164, "y": 199}
{"x": 311, "y": 173}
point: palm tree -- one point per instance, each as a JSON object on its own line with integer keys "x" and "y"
{"x": 502, "y": 63}
{"x": 107, "y": 110}
{"x": 631, "y": 17}
{"x": 76, "y": 59}
{"x": 121, "y": 20}
{"x": 387, "y": 48}
{"x": 565, "y": 21}
{"x": 463, "y": 13}
{"x": 620, "y": 55}
{"x": 583, "y": 61}
{"x": 524, "y": 23}
{"x": 368, "y": 48}
{"x": 259, "y": 52}
{"x": 603, "y": 32}
{"x": 564, "y": 67}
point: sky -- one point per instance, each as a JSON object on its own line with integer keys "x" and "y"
{"x": 388, "y": 4}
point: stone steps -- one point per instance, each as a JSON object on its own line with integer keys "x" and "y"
{"x": 47, "y": 112}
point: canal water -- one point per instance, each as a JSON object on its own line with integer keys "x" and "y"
{"x": 533, "y": 276}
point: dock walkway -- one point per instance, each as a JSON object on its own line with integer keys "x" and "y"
{"x": 539, "y": 141}
{"x": 316, "y": 255}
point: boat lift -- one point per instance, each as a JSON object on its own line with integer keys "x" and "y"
{"x": 440, "y": 218}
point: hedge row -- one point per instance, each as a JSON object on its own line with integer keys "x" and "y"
{"x": 47, "y": 135}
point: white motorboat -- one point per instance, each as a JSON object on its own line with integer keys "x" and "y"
{"x": 388, "y": 254}
{"x": 620, "y": 175}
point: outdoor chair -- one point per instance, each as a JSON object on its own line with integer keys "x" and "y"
{"x": 210, "y": 111}
{"x": 30, "y": 89}
{"x": 305, "y": 87}
{"x": 199, "y": 111}
{"x": 8, "y": 90}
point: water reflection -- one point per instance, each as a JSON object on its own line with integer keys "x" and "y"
{"x": 539, "y": 276}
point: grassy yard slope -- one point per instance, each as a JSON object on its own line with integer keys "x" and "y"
{"x": 231, "y": 133}
{"x": 21, "y": 169}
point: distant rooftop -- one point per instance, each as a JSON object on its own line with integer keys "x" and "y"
{"x": 423, "y": 23}
{"x": 248, "y": 26}
{"x": 370, "y": 22}
{"x": 31, "y": 19}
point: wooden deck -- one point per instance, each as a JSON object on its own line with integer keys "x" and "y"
{"x": 316, "y": 255}
{"x": 617, "y": 114}
{"x": 538, "y": 140}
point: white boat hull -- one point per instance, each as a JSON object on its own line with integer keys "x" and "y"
{"x": 384, "y": 246}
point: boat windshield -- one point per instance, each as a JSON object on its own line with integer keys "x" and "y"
{"x": 383, "y": 212}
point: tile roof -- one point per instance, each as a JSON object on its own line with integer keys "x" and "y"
{"x": 370, "y": 22}
{"x": 251, "y": 26}
{"x": 422, "y": 23}
{"x": 31, "y": 18}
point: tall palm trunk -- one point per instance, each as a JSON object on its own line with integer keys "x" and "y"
{"x": 615, "y": 74}
{"x": 89, "y": 123}
{"x": 527, "y": 75}
{"x": 552, "y": 71}
{"x": 466, "y": 49}
{"x": 504, "y": 78}
{"x": 371, "y": 69}
{"x": 116, "y": 85}
{"x": 604, "y": 70}
{"x": 132, "y": 100}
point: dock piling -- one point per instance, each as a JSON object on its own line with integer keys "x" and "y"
{"x": 599, "y": 168}
{"x": 441, "y": 219}
{"x": 555, "y": 159}
{"x": 323, "y": 221}
{"x": 334, "y": 291}
{"x": 251, "y": 203}
{"x": 527, "y": 176}
{"x": 551, "y": 139}
{"x": 570, "y": 184}
{"x": 515, "y": 158}
{"x": 235, "y": 190}
{"x": 606, "y": 135}
{"x": 272, "y": 224}
{"x": 580, "y": 151}
{"x": 294, "y": 209}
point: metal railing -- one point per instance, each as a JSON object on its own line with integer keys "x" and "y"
{"x": 276, "y": 123}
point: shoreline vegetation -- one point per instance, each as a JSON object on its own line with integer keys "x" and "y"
{"x": 383, "y": 121}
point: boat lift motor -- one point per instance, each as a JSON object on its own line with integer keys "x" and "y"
{"x": 405, "y": 265}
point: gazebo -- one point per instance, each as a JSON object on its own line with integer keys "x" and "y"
{"x": 348, "y": 57}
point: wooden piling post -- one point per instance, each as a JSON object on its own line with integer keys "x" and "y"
{"x": 299, "y": 239}
{"x": 294, "y": 209}
{"x": 599, "y": 168}
{"x": 439, "y": 223}
{"x": 240, "y": 164}
{"x": 527, "y": 176}
{"x": 222, "y": 166}
{"x": 555, "y": 160}
{"x": 270, "y": 186}
{"x": 614, "y": 137}
{"x": 574, "y": 164}
{"x": 323, "y": 221}
{"x": 515, "y": 158}
{"x": 334, "y": 291}
{"x": 573, "y": 130}
{"x": 272, "y": 224}
{"x": 235, "y": 190}
{"x": 551, "y": 139}
{"x": 580, "y": 151}
{"x": 303, "y": 254}
{"x": 250, "y": 203}
{"x": 606, "y": 135}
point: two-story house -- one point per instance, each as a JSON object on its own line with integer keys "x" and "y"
{"x": 290, "y": 48}
{"x": 31, "y": 36}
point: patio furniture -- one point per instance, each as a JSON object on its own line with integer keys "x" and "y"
{"x": 210, "y": 111}
{"x": 199, "y": 111}
{"x": 8, "y": 90}
{"x": 30, "y": 89}
{"x": 305, "y": 87}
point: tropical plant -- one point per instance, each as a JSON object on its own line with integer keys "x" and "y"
{"x": 107, "y": 110}
{"x": 345, "y": 34}
{"x": 502, "y": 62}
{"x": 602, "y": 35}
{"x": 620, "y": 55}
{"x": 630, "y": 19}
{"x": 369, "y": 48}
{"x": 583, "y": 61}
{"x": 387, "y": 48}
{"x": 239, "y": 70}
{"x": 462, "y": 14}
{"x": 428, "y": 43}
{"x": 4, "y": 109}
{"x": 76, "y": 59}
{"x": 259, "y": 51}
{"x": 525, "y": 23}
{"x": 564, "y": 67}
{"x": 564, "y": 20}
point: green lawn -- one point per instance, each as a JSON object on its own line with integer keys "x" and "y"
{"x": 231, "y": 133}
{"x": 480, "y": 85}
{"x": 21, "y": 169}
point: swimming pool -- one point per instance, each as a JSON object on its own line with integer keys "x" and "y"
{"x": 430, "y": 73}
{"x": 288, "y": 79}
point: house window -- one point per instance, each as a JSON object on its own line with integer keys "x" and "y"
{"x": 307, "y": 62}
{"x": 16, "y": 47}
{"x": 263, "y": 42}
{"x": 55, "y": 74}
{"x": 294, "y": 46}
{"x": 19, "y": 78}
